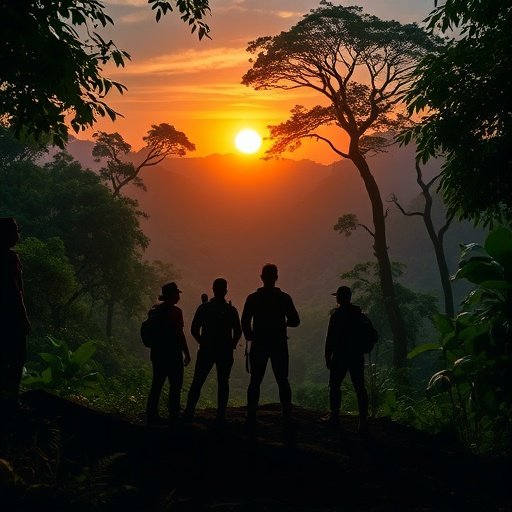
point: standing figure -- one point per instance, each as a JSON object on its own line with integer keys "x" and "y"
{"x": 266, "y": 315}
{"x": 168, "y": 356}
{"x": 14, "y": 322}
{"x": 216, "y": 327}
{"x": 344, "y": 353}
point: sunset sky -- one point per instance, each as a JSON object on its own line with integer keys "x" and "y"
{"x": 195, "y": 85}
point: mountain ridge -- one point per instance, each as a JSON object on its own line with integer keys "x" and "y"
{"x": 229, "y": 214}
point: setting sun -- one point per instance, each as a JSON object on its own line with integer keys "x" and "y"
{"x": 248, "y": 141}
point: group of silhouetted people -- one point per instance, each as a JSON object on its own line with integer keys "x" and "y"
{"x": 217, "y": 328}
{"x": 266, "y": 316}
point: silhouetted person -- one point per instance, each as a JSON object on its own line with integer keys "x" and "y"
{"x": 266, "y": 315}
{"x": 204, "y": 298}
{"x": 343, "y": 354}
{"x": 216, "y": 327}
{"x": 168, "y": 356}
{"x": 14, "y": 322}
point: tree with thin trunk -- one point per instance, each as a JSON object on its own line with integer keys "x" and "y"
{"x": 162, "y": 140}
{"x": 362, "y": 67}
{"x": 436, "y": 237}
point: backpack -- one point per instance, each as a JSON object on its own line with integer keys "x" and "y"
{"x": 152, "y": 327}
{"x": 368, "y": 335}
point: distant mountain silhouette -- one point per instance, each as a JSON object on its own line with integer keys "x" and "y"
{"x": 228, "y": 215}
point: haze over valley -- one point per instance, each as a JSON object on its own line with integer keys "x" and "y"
{"x": 227, "y": 215}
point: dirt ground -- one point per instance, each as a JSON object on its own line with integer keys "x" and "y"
{"x": 106, "y": 463}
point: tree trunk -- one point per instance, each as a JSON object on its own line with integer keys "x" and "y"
{"x": 437, "y": 242}
{"x": 395, "y": 318}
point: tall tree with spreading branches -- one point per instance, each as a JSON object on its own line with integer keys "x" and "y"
{"x": 361, "y": 66}
{"x": 162, "y": 140}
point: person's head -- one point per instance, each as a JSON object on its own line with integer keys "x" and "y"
{"x": 220, "y": 287}
{"x": 269, "y": 274}
{"x": 343, "y": 295}
{"x": 170, "y": 292}
{"x": 9, "y": 233}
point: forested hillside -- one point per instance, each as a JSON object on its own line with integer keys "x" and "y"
{"x": 228, "y": 215}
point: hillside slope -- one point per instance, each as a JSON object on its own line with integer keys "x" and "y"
{"x": 199, "y": 467}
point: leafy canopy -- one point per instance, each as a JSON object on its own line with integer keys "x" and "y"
{"x": 362, "y": 65}
{"x": 52, "y": 56}
{"x": 463, "y": 94}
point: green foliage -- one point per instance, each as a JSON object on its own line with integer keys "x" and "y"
{"x": 191, "y": 12}
{"x": 76, "y": 235}
{"x": 462, "y": 94}
{"x": 395, "y": 397}
{"x": 476, "y": 345}
{"x": 49, "y": 71}
{"x": 52, "y": 63}
{"x": 46, "y": 262}
{"x": 313, "y": 396}
{"x": 12, "y": 152}
{"x": 68, "y": 372}
{"x": 418, "y": 309}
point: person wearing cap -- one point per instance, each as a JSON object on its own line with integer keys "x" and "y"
{"x": 168, "y": 357}
{"x": 342, "y": 355}
{"x": 267, "y": 314}
{"x": 216, "y": 327}
{"x": 14, "y": 321}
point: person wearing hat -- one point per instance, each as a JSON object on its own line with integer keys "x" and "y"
{"x": 14, "y": 322}
{"x": 168, "y": 356}
{"x": 216, "y": 327}
{"x": 267, "y": 314}
{"x": 343, "y": 355}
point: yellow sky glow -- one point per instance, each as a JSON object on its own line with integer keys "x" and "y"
{"x": 196, "y": 85}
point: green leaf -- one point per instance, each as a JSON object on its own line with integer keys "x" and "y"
{"x": 478, "y": 271}
{"x": 55, "y": 361}
{"x": 83, "y": 353}
{"x": 425, "y": 347}
{"x": 499, "y": 245}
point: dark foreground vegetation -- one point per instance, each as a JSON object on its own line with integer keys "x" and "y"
{"x": 63, "y": 456}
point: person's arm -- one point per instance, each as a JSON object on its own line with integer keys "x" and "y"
{"x": 246, "y": 321}
{"x": 329, "y": 343}
{"x": 179, "y": 325}
{"x": 292, "y": 315}
{"x": 195, "y": 327}
{"x": 184, "y": 348}
{"x": 236, "y": 327}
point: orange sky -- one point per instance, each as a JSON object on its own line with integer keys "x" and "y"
{"x": 195, "y": 85}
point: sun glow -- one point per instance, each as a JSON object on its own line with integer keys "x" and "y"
{"x": 248, "y": 141}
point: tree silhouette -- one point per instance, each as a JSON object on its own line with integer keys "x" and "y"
{"x": 162, "y": 140}
{"x": 52, "y": 58}
{"x": 436, "y": 236}
{"x": 362, "y": 66}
